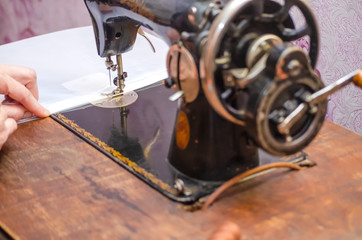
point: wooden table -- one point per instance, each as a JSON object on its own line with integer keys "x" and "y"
{"x": 53, "y": 185}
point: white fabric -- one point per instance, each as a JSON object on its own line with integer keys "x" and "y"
{"x": 70, "y": 72}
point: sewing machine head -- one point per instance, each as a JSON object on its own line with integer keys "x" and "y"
{"x": 242, "y": 82}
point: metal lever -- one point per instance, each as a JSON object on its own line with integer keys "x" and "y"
{"x": 176, "y": 96}
{"x": 285, "y": 126}
{"x": 142, "y": 33}
{"x": 355, "y": 76}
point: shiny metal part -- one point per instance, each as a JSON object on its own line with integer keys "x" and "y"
{"x": 291, "y": 131}
{"x": 123, "y": 111}
{"x": 311, "y": 101}
{"x": 177, "y": 95}
{"x": 121, "y": 76}
{"x": 288, "y": 66}
{"x": 191, "y": 16}
{"x": 325, "y": 92}
{"x": 119, "y": 80}
{"x": 206, "y": 14}
{"x": 294, "y": 67}
{"x": 182, "y": 70}
{"x": 207, "y": 62}
{"x": 224, "y": 60}
{"x": 110, "y": 67}
{"x": 254, "y": 73}
{"x": 288, "y": 122}
{"x": 260, "y": 47}
{"x": 109, "y": 64}
{"x": 117, "y": 100}
{"x": 256, "y": 58}
{"x": 234, "y": 75}
{"x": 142, "y": 33}
{"x": 224, "y": 21}
{"x": 179, "y": 185}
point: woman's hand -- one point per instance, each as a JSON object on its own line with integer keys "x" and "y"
{"x": 19, "y": 86}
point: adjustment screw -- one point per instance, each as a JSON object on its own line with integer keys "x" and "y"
{"x": 180, "y": 187}
{"x": 294, "y": 68}
{"x": 115, "y": 81}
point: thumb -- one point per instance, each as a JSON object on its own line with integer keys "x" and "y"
{"x": 10, "y": 126}
{"x": 20, "y": 93}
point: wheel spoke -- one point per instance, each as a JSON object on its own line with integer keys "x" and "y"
{"x": 258, "y": 7}
{"x": 227, "y": 94}
{"x": 279, "y": 16}
{"x": 283, "y": 13}
{"x": 294, "y": 34}
{"x": 241, "y": 27}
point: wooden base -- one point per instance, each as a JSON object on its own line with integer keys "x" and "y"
{"x": 55, "y": 185}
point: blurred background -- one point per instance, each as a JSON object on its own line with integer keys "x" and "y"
{"x": 340, "y": 25}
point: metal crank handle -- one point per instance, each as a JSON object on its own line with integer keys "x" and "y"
{"x": 355, "y": 77}
{"x": 285, "y": 126}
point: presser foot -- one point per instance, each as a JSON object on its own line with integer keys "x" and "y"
{"x": 117, "y": 99}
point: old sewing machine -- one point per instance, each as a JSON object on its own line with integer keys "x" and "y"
{"x": 240, "y": 83}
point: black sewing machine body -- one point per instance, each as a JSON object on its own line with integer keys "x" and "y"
{"x": 116, "y": 22}
{"x": 238, "y": 80}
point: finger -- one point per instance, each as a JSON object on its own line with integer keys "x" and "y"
{"x": 20, "y": 93}
{"x": 24, "y": 75}
{"x": 9, "y": 127}
{"x": 15, "y": 111}
{"x": 3, "y": 117}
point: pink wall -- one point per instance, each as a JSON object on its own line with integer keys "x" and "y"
{"x": 340, "y": 23}
{"x": 21, "y": 19}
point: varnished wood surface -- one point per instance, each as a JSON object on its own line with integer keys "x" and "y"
{"x": 55, "y": 186}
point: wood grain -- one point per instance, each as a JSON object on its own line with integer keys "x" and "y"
{"x": 55, "y": 186}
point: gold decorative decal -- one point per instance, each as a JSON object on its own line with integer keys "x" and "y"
{"x": 118, "y": 157}
{"x": 138, "y": 7}
{"x": 182, "y": 130}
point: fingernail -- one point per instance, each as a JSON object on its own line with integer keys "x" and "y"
{"x": 46, "y": 112}
{"x": 28, "y": 115}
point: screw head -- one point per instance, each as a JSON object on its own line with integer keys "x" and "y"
{"x": 294, "y": 67}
